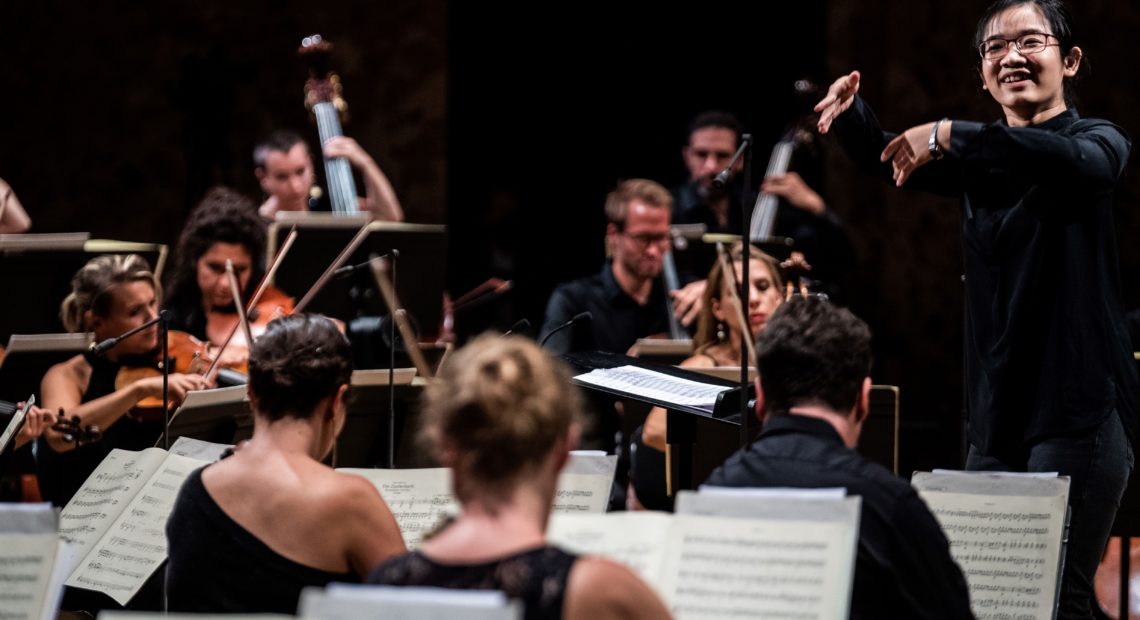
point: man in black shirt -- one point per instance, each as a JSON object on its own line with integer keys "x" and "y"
{"x": 813, "y": 392}
{"x": 801, "y": 215}
{"x": 627, "y": 298}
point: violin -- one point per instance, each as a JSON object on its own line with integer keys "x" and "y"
{"x": 272, "y": 304}
{"x": 187, "y": 355}
{"x": 72, "y": 430}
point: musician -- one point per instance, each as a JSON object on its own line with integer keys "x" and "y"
{"x": 248, "y": 533}
{"x": 802, "y": 215}
{"x": 223, "y": 226}
{"x": 284, "y": 167}
{"x": 717, "y": 342}
{"x": 13, "y": 217}
{"x": 813, "y": 394}
{"x": 36, "y": 422}
{"x": 1050, "y": 377}
{"x": 503, "y": 418}
{"x": 110, "y": 295}
{"x": 627, "y": 297}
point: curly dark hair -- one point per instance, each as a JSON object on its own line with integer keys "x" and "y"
{"x": 222, "y": 216}
{"x": 299, "y": 360}
{"x": 812, "y": 352}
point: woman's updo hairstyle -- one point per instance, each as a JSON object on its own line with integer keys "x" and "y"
{"x": 499, "y": 407}
{"x": 298, "y": 361}
{"x": 91, "y": 287}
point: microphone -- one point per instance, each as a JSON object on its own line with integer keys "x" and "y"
{"x": 108, "y": 344}
{"x": 520, "y": 325}
{"x": 581, "y": 316}
{"x": 720, "y": 181}
{"x": 348, "y": 270}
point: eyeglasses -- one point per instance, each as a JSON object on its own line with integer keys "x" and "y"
{"x": 644, "y": 240}
{"x": 1032, "y": 43}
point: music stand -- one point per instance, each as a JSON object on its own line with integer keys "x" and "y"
{"x": 220, "y": 415}
{"x": 28, "y": 358}
{"x": 36, "y": 270}
{"x": 321, "y": 237}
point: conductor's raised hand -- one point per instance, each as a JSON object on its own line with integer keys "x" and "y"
{"x": 909, "y": 151}
{"x": 838, "y": 99}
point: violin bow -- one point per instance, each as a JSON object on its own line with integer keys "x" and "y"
{"x": 400, "y": 316}
{"x": 269, "y": 273}
{"x": 340, "y": 260}
{"x": 734, "y": 299}
{"x": 236, "y": 291}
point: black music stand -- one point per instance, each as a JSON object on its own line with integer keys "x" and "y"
{"x": 36, "y": 272}
{"x": 30, "y": 356}
{"x": 321, "y": 238}
{"x": 700, "y": 439}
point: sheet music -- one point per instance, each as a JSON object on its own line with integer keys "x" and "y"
{"x": 19, "y": 343}
{"x": 636, "y": 539}
{"x": 197, "y": 449}
{"x": 28, "y": 548}
{"x": 654, "y": 385}
{"x": 104, "y": 496}
{"x": 585, "y": 483}
{"x": 719, "y": 567}
{"x": 158, "y": 615}
{"x": 420, "y": 499}
{"x": 135, "y": 544}
{"x": 1008, "y": 547}
{"x": 352, "y": 601}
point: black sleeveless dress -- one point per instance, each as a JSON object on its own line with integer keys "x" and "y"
{"x": 62, "y": 473}
{"x": 217, "y": 566}
{"x": 537, "y": 577}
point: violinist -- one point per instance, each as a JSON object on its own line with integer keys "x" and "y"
{"x": 717, "y": 342}
{"x": 284, "y": 168}
{"x": 110, "y": 295}
{"x": 223, "y": 226}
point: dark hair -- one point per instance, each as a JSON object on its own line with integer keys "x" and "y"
{"x": 718, "y": 119}
{"x": 1060, "y": 20}
{"x": 299, "y": 360}
{"x": 501, "y": 404}
{"x": 223, "y": 216}
{"x": 281, "y": 140}
{"x": 812, "y": 352}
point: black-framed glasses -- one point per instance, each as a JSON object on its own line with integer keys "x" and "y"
{"x": 644, "y": 240}
{"x": 996, "y": 48}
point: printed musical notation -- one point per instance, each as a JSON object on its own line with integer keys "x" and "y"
{"x": 125, "y": 541}
{"x": 719, "y": 567}
{"x": 1008, "y": 548}
{"x": 25, "y": 567}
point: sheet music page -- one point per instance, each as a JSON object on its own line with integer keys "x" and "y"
{"x": 717, "y": 567}
{"x": 1008, "y": 547}
{"x": 655, "y": 385}
{"x": 104, "y": 496}
{"x": 352, "y": 601}
{"x": 197, "y": 449}
{"x": 635, "y": 539}
{"x": 135, "y": 544}
{"x": 28, "y": 548}
{"x": 420, "y": 499}
{"x": 585, "y": 483}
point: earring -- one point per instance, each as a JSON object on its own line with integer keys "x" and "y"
{"x": 720, "y": 335}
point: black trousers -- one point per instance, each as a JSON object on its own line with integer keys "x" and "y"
{"x": 1098, "y": 462}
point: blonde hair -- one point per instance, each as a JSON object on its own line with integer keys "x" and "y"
{"x": 705, "y": 335}
{"x": 92, "y": 283}
{"x": 651, "y": 193}
{"x": 499, "y": 407}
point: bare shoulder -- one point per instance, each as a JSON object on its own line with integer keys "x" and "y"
{"x": 600, "y": 588}
{"x": 67, "y": 378}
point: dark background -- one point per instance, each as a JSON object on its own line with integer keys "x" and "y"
{"x": 511, "y": 123}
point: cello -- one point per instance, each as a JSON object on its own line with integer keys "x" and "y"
{"x": 324, "y": 100}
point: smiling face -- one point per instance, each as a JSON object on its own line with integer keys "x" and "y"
{"x": 1029, "y": 87}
